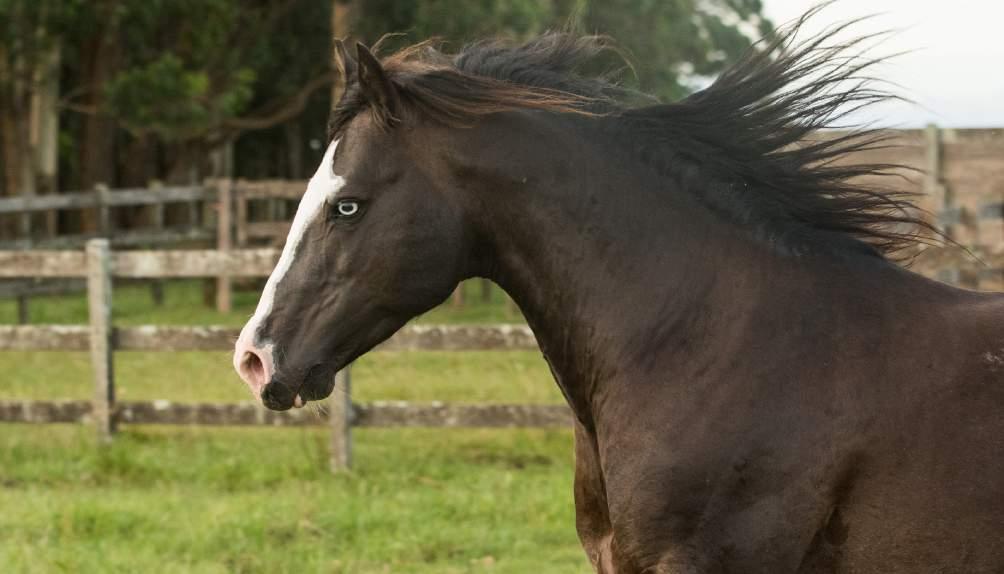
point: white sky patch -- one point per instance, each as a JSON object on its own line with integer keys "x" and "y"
{"x": 323, "y": 186}
{"x": 951, "y": 67}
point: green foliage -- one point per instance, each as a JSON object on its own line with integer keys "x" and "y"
{"x": 670, "y": 44}
{"x": 23, "y": 23}
{"x": 193, "y": 64}
{"x": 673, "y": 43}
{"x": 180, "y": 70}
{"x": 30, "y": 29}
{"x": 163, "y": 97}
{"x": 454, "y": 20}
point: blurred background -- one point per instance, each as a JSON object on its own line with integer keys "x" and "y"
{"x": 167, "y": 125}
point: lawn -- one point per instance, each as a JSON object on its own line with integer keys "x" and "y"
{"x": 261, "y": 500}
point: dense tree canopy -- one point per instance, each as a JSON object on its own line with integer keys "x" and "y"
{"x": 144, "y": 89}
{"x": 668, "y": 43}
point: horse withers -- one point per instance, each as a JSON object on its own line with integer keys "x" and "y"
{"x": 756, "y": 387}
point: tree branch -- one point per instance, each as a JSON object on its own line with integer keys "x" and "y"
{"x": 284, "y": 109}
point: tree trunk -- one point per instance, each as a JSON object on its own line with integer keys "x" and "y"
{"x": 45, "y": 133}
{"x": 137, "y": 169}
{"x": 15, "y": 136}
{"x": 96, "y": 160}
{"x": 341, "y": 27}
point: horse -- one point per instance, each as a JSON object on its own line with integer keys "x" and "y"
{"x": 756, "y": 385}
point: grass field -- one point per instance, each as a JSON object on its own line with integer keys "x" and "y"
{"x": 261, "y": 500}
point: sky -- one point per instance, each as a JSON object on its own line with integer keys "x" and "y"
{"x": 954, "y": 68}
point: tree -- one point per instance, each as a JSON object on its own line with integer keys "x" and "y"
{"x": 670, "y": 45}
{"x": 148, "y": 88}
{"x": 29, "y": 92}
{"x": 194, "y": 83}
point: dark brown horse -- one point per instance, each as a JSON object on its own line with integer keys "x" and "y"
{"x": 756, "y": 387}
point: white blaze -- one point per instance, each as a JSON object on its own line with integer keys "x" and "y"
{"x": 323, "y": 186}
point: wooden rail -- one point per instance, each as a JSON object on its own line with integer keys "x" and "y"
{"x": 106, "y": 198}
{"x": 259, "y": 262}
{"x": 382, "y": 414}
{"x": 956, "y": 177}
{"x": 157, "y": 338}
{"x": 99, "y": 265}
{"x": 142, "y": 264}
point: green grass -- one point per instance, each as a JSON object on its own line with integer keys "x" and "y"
{"x": 472, "y": 377}
{"x": 261, "y": 500}
{"x": 184, "y": 305}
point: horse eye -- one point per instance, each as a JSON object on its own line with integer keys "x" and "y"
{"x": 347, "y": 208}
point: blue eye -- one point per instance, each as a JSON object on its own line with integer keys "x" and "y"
{"x": 347, "y": 209}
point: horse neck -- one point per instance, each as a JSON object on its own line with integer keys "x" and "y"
{"x": 609, "y": 267}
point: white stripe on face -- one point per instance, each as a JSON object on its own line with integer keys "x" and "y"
{"x": 322, "y": 188}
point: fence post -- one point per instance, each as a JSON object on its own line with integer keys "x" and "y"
{"x": 157, "y": 218}
{"x": 933, "y": 182}
{"x": 104, "y": 210}
{"x": 486, "y": 291}
{"x": 241, "y": 216}
{"x": 340, "y": 417}
{"x": 25, "y": 221}
{"x": 458, "y": 296}
{"x": 223, "y": 231}
{"x": 23, "y": 317}
{"x": 955, "y": 221}
{"x": 99, "y": 302}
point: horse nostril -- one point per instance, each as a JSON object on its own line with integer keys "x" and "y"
{"x": 252, "y": 364}
{"x": 252, "y": 369}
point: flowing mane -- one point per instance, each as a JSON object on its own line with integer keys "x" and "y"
{"x": 752, "y": 135}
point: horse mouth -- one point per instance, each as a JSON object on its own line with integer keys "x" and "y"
{"x": 280, "y": 396}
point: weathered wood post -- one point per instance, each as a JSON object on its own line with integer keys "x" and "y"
{"x": 25, "y": 221}
{"x": 486, "y": 290}
{"x": 157, "y": 217}
{"x": 934, "y": 184}
{"x": 954, "y": 221}
{"x": 223, "y": 243}
{"x": 99, "y": 302}
{"x": 23, "y": 317}
{"x": 104, "y": 210}
{"x": 241, "y": 201}
{"x": 458, "y": 295}
{"x": 340, "y": 417}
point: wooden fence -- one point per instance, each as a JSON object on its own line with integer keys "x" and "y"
{"x": 99, "y": 264}
{"x": 959, "y": 174}
{"x": 230, "y": 214}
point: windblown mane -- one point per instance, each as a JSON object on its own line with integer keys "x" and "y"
{"x": 752, "y": 136}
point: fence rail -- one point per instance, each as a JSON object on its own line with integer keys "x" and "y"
{"x": 100, "y": 198}
{"x": 99, "y": 265}
{"x": 158, "y": 338}
{"x": 376, "y": 414}
{"x": 961, "y": 188}
{"x": 958, "y": 181}
{"x": 142, "y": 264}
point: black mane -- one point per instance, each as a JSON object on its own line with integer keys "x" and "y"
{"x": 753, "y": 134}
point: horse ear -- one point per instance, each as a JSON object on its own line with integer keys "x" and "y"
{"x": 345, "y": 62}
{"x": 376, "y": 86}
